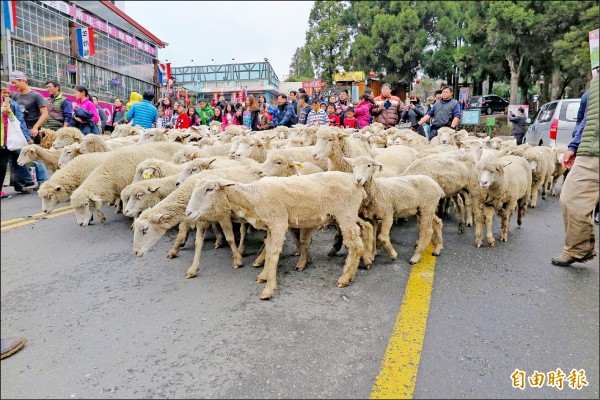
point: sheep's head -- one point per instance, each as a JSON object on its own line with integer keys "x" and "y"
{"x": 51, "y": 194}
{"x": 185, "y": 155}
{"x": 207, "y": 195}
{"x": 215, "y": 127}
{"x": 278, "y": 164}
{"x": 27, "y": 154}
{"x": 326, "y": 142}
{"x": 139, "y": 197}
{"x": 85, "y": 203}
{"x": 153, "y": 135}
{"x": 68, "y": 154}
{"x": 363, "y": 168}
{"x": 147, "y": 230}
{"x": 447, "y": 135}
{"x": 193, "y": 167}
{"x": 474, "y": 147}
{"x": 491, "y": 171}
{"x": 246, "y": 146}
{"x": 67, "y": 136}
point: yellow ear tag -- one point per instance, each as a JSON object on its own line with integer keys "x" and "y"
{"x": 146, "y": 175}
{"x": 299, "y": 165}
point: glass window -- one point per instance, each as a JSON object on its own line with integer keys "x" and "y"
{"x": 547, "y": 112}
{"x": 569, "y": 111}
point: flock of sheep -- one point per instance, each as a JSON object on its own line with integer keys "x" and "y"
{"x": 297, "y": 179}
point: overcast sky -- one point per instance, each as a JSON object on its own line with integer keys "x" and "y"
{"x": 246, "y": 31}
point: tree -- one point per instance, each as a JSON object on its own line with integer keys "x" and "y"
{"x": 327, "y": 38}
{"x": 301, "y": 68}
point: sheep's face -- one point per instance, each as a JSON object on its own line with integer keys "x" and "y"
{"x": 26, "y": 155}
{"x": 215, "y": 127}
{"x": 490, "y": 173}
{"x": 474, "y": 148}
{"x": 446, "y": 136}
{"x": 246, "y": 147}
{"x": 51, "y": 195}
{"x": 140, "y": 198}
{"x": 207, "y": 195}
{"x": 84, "y": 206}
{"x": 194, "y": 167}
{"x": 68, "y": 154}
{"x": 277, "y": 166}
{"x": 145, "y": 235}
{"x": 62, "y": 141}
{"x": 363, "y": 168}
{"x": 324, "y": 146}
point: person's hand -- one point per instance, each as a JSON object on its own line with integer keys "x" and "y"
{"x": 34, "y": 131}
{"x": 75, "y": 105}
{"x": 568, "y": 159}
{"x": 30, "y": 142}
{"x": 77, "y": 119}
{"x": 5, "y": 109}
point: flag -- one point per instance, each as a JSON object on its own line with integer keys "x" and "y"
{"x": 9, "y": 9}
{"x": 85, "y": 42}
{"x": 164, "y": 72}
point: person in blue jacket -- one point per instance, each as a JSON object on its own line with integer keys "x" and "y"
{"x": 286, "y": 112}
{"x": 20, "y": 177}
{"x": 143, "y": 113}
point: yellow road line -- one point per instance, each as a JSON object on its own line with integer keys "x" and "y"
{"x": 31, "y": 221}
{"x": 53, "y": 211}
{"x": 9, "y": 221}
{"x": 398, "y": 374}
{"x": 58, "y": 214}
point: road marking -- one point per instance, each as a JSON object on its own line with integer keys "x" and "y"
{"x": 9, "y": 221}
{"x": 53, "y": 211}
{"x": 58, "y": 214}
{"x": 31, "y": 221}
{"x": 398, "y": 374}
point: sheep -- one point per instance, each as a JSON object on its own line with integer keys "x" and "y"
{"x": 248, "y": 147}
{"x": 334, "y": 145}
{"x": 478, "y": 150}
{"x": 282, "y": 164}
{"x": 446, "y": 135}
{"x": 498, "y": 143}
{"x": 187, "y": 153}
{"x": 399, "y": 197}
{"x": 215, "y": 127}
{"x": 153, "y": 222}
{"x": 456, "y": 173}
{"x": 377, "y": 142}
{"x": 271, "y": 204}
{"x": 201, "y": 164}
{"x": 559, "y": 169}
{"x": 33, "y": 152}
{"x": 406, "y": 137}
{"x": 505, "y": 187}
{"x": 147, "y": 193}
{"x": 105, "y": 183}
{"x": 66, "y": 136}
{"x": 95, "y": 144}
{"x": 394, "y": 160}
{"x": 124, "y": 130}
{"x": 153, "y": 168}
{"x": 541, "y": 159}
{"x": 153, "y": 135}
{"x": 47, "y": 137}
{"x": 63, "y": 182}
{"x": 68, "y": 153}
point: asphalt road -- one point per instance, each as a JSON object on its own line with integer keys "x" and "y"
{"x": 102, "y": 323}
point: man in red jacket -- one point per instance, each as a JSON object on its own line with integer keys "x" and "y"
{"x": 387, "y": 108}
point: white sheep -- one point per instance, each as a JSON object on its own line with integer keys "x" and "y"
{"x": 124, "y": 130}
{"x": 399, "y": 197}
{"x": 395, "y": 159}
{"x": 33, "y": 152}
{"x": 67, "y": 135}
{"x": 152, "y": 168}
{"x": 63, "y": 182}
{"x": 282, "y": 164}
{"x": 505, "y": 187}
{"x": 559, "y": 170}
{"x": 68, "y": 153}
{"x": 541, "y": 160}
{"x": 200, "y": 164}
{"x": 153, "y": 135}
{"x": 272, "y": 204}
{"x": 333, "y": 145}
{"x": 105, "y": 183}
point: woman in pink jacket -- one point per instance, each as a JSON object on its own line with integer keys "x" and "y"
{"x": 82, "y": 101}
{"x": 229, "y": 117}
{"x": 362, "y": 112}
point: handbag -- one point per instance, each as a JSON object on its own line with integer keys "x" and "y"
{"x": 15, "y": 139}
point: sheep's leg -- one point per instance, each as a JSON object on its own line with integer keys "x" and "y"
{"x": 337, "y": 242}
{"x": 227, "y": 227}
{"x": 243, "y": 231}
{"x": 201, "y": 228}
{"x": 277, "y": 237}
{"x": 351, "y": 237}
{"x": 506, "y": 214}
{"x": 218, "y": 235}
{"x": 425, "y": 234}
{"x": 260, "y": 260}
{"x": 460, "y": 213}
{"x": 295, "y": 234}
{"x": 544, "y": 188}
{"x": 553, "y": 185}
{"x": 376, "y": 244}
{"x": 534, "y": 193}
{"x": 368, "y": 238}
{"x": 468, "y": 208}
{"x": 521, "y": 207}
{"x": 488, "y": 213}
{"x": 305, "y": 241}
{"x": 436, "y": 239}
{"x": 100, "y": 215}
{"x": 182, "y": 236}
{"x": 384, "y": 236}
{"x": 262, "y": 277}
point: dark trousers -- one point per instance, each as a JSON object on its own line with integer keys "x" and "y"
{"x": 19, "y": 175}
{"x": 519, "y": 139}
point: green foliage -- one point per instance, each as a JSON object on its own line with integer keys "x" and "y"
{"x": 301, "y": 65}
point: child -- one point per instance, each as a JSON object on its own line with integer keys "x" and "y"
{"x": 263, "y": 118}
{"x": 183, "y": 119}
{"x": 324, "y": 106}
{"x": 334, "y": 120}
{"x": 162, "y": 121}
{"x": 316, "y": 116}
{"x": 350, "y": 121}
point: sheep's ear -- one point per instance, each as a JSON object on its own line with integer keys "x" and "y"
{"x": 153, "y": 188}
{"x": 160, "y": 217}
{"x": 506, "y": 163}
{"x": 298, "y": 164}
{"x": 95, "y": 198}
{"x": 212, "y": 160}
{"x": 223, "y": 183}
{"x": 378, "y": 164}
{"x": 165, "y": 131}
{"x": 348, "y": 160}
{"x": 57, "y": 188}
{"x": 342, "y": 134}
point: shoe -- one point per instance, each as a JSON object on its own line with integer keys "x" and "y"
{"x": 566, "y": 262}
{"x": 11, "y": 346}
{"x": 23, "y": 190}
{"x": 3, "y": 195}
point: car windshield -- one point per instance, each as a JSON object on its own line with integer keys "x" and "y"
{"x": 475, "y": 100}
{"x": 546, "y": 112}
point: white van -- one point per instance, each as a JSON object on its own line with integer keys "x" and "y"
{"x": 554, "y": 123}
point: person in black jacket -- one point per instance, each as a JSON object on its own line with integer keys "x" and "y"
{"x": 250, "y": 113}
{"x": 519, "y": 124}
{"x": 413, "y": 113}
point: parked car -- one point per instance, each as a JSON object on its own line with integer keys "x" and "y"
{"x": 488, "y": 103}
{"x": 553, "y": 124}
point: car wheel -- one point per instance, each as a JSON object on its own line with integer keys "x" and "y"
{"x": 488, "y": 111}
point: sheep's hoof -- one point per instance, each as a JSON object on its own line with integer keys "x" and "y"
{"x": 266, "y": 296}
{"x": 257, "y": 264}
{"x": 297, "y": 253}
{"x": 478, "y": 243}
{"x": 553, "y": 193}
{"x": 543, "y": 197}
{"x": 469, "y": 223}
{"x": 103, "y": 220}
{"x": 236, "y": 266}
{"x": 491, "y": 243}
{"x": 436, "y": 253}
{"x": 171, "y": 254}
{"x": 503, "y": 239}
{"x": 332, "y": 253}
{"x": 341, "y": 285}
{"x": 189, "y": 275}
{"x": 412, "y": 262}
{"x": 260, "y": 279}
{"x": 461, "y": 227}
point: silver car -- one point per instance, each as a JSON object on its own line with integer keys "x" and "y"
{"x": 553, "y": 124}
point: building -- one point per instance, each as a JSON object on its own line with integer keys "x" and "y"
{"x": 44, "y": 46}
{"x": 234, "y": 81}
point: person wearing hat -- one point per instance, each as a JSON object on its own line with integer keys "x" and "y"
{"x": 519, "y": 121}
{"x": 317, "y": 116}
{"x": 143, "y": 113}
